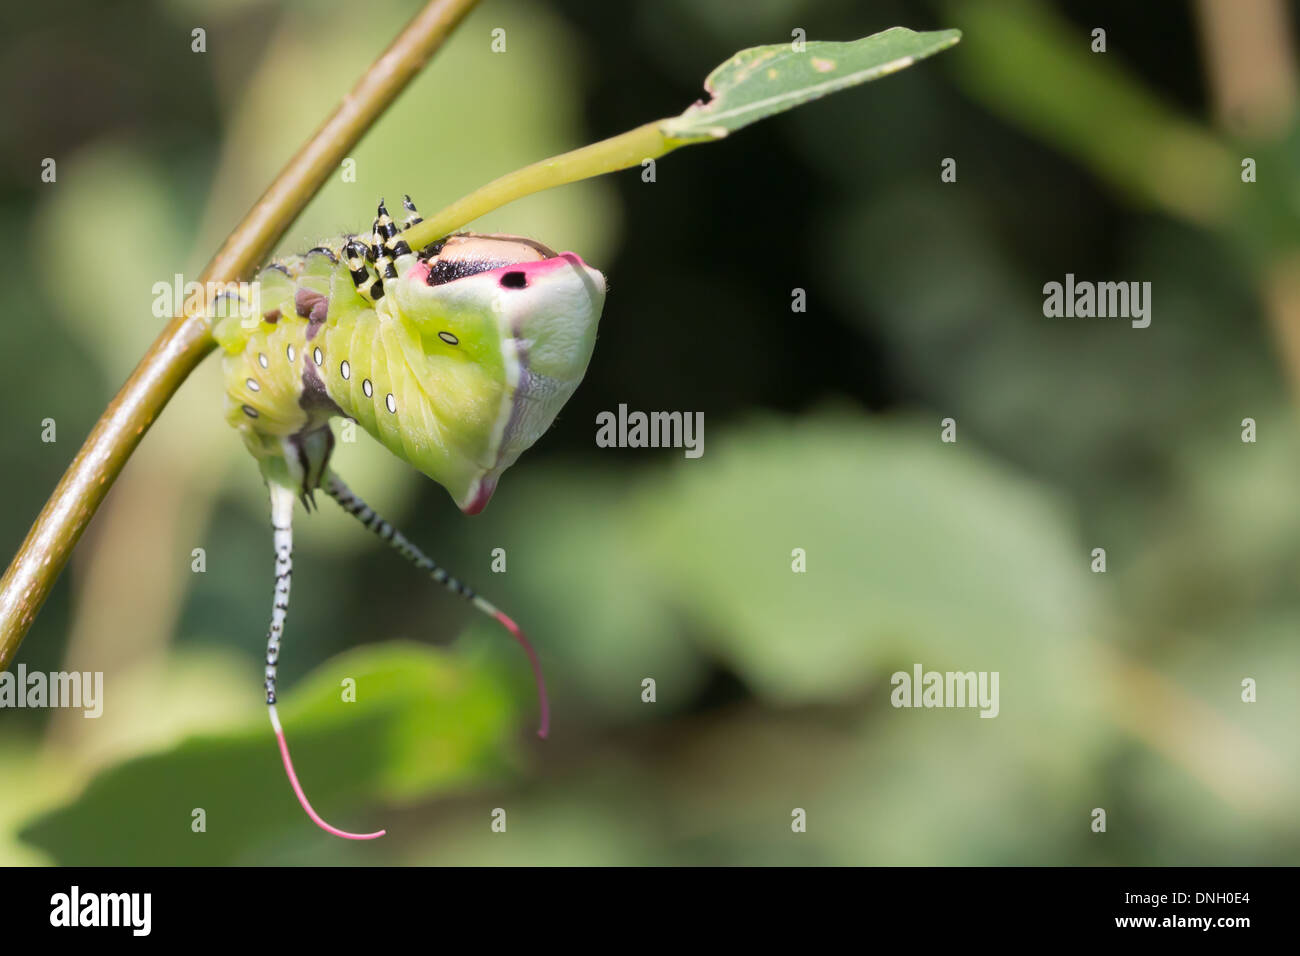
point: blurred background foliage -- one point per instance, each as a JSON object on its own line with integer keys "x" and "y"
{"x": 1119, "y": 691}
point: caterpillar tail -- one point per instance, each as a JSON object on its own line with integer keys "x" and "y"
{"x": 282, "y": 499}
{"x": 353, "y": 505}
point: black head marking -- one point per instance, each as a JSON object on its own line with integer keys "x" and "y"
{"x": 448, "y": 270}
{"x": 432, "y": 249}
{"x": 514, "y": 280}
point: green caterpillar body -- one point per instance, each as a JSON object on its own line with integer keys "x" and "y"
{"x": 456, "y": 357}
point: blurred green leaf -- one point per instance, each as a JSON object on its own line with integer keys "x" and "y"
{"x": 424, "y": 723}
{"x": 765, "y": 80}
{"x": 914, "y": 547}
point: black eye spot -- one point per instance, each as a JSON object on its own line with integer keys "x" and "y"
{"x": 449, "y": 338}
{"x": 514, "y": 280}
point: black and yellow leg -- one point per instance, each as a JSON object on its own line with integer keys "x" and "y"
{"x": 414, "y": 216}
{"x": 384, "y": 227}
{"x": 355, "y": 253}
{"x": 400, "y": 246}
{"x": 384, "y": 231}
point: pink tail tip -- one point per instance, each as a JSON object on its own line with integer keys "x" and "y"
{"x": 545, "y": 703}
{"x": 306, "y": 805}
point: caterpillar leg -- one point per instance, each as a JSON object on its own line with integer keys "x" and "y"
{"x": 355, "y": 253}
{"x": 414, "y": 216}
{"x": 282, "y": 519}
{"x": 354, "y": 506}
{"x": 387, "y": 246}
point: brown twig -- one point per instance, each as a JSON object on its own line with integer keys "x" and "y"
{"x": 186, "y": 339}
{"x": 1249, "y": 65}
{"x": 1251, "y": 73}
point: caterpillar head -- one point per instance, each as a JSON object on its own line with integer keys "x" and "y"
{"x": 506, "y": 328}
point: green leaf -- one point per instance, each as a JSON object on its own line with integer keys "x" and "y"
{"x": 915, "y": 550}
{"x": 755, "y": 83}
{"x": 765, "y": 80}
{"x": 424, "y": 722}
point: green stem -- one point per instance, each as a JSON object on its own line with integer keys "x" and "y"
{"x": 618, "y": 152}
{"x": 186, "y": 339}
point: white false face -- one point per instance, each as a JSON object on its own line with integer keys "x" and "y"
{"x": 509, "y": 327}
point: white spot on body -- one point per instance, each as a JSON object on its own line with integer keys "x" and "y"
{"x": 391, "y": 403}
{"x": 289, "y": 351}
{"x": 252, "y": 385}
{"x": 317, "y": 356}
{"x": 262, "y": 360}
{"x": 345, "y": 369}
{"x": 367, "y": 387}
